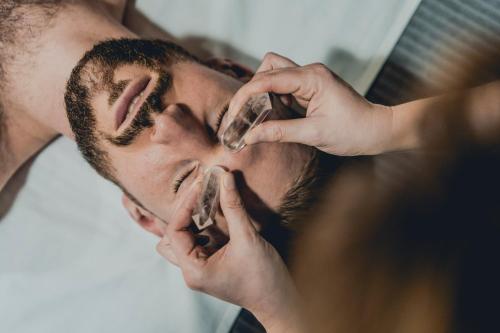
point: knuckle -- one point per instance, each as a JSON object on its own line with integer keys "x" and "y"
{"x": 320, "y": 69}
{"x": 193, "y": 280}
{"x": 270, "y": 56}
{"x": 276, "y": 133}
{"x": 162, "y": 246}
{"x": 192, "y": 283}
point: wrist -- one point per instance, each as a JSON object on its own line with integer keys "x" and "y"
{"x": 282, "y": 317}
{"x": 382, "y": 128}
{"x": 289, "y": 323}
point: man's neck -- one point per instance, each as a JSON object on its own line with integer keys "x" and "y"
{"x": 21, "y": 138}
{"x": 31, "y": 119}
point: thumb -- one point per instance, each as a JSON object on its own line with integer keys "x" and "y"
{"x": 239, "y": 223}
{"x": 293, "y": 130}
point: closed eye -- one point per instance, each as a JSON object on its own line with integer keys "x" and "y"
{"x": 220, "y": 118}
{"x": 178, "y": 182}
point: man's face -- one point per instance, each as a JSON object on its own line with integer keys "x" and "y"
{"x": 157, "y": 158}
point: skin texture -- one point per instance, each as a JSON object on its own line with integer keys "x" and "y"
{"x": 46, "y": 42}
{"x": 182, "y": 137}
{"x": 339, "y": 121}
{"x": 180, "y": 129}
{"x": 424, "y": 292}
{"x": 46, "y": 46}
{"x": 262, "y": 285}
{"x": 35, "y": 116}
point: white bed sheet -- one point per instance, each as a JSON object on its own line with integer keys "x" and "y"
{"x": 351, "y": 37}
{"x": 71, "y": 260}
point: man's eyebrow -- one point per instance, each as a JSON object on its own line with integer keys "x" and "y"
{"x": 116, "y": 90}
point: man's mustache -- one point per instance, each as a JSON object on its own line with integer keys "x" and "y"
{"x": 143, "y": 119}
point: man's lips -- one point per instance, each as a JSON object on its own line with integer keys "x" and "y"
{"x": 131, "y": 93}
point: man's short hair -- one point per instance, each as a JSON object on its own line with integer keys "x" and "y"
{"x": 100, "y": 62}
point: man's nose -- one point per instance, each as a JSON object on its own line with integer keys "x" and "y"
{"x": 176, "y": 126}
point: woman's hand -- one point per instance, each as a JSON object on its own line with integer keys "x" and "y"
{"x": 247, "y": 271}
{"x": 338, "y": 120}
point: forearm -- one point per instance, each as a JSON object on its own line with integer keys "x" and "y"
{"x": 283, "y": 316}
{"x": 481, "y": 107}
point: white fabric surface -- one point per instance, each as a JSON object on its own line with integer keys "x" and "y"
{"x": 71, "y": 260}
{"x": 351, "y": 37}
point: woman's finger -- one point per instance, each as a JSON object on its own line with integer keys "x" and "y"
{"x": 273, "y": 61}
{"x": 239, "y": 223}
{"x": 182, "y": 240}
{"x": 300, "y": 130}
{"x": 184, "y": 210}
{"x": 294, "y": 81}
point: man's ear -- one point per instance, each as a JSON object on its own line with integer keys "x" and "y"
{"x": 143, "y": 217}
{"x": 230, "y": 68}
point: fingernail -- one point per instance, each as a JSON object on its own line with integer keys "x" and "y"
{"x": 229, "y": 181}
{"x": 202, "y": 240}
{"x": 285, "y": 99}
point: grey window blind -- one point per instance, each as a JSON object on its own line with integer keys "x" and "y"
{"x": 441, "y": 40}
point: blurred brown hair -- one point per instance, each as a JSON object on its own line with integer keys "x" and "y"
{"x": 409, "y": 241}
